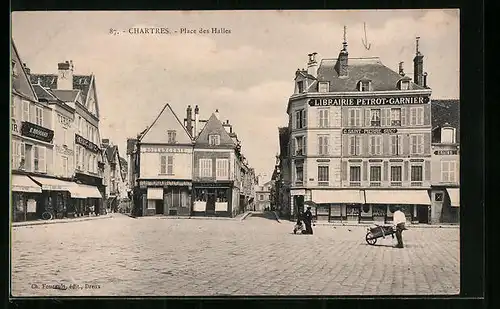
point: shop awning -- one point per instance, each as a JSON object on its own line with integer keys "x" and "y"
{"x": 338, "y": 196}
{"x": 52, "y": 184}
{"x": 298, "y": 192}
{"x": 155, "y": 193}
{"x": 22, "y": 183}
{"x": 418, "y": 197}
{"x": 454, "y": 197}
{"x": 84, "y": 191}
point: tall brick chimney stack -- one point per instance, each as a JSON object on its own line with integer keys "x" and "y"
{"x": 342, "y": 63}
{"x": 189, "y": 120}
{"x": 418, "y": 66}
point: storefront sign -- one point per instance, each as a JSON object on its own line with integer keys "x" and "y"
{"x": 31, "y": 205}
{"x": 163, "y": 183}
{"x": 32, "y": 130}
{"x": 164, "y": 149}
{"x": 86, "y": 143}
{"x": 14, "y": 126}
{"x": 212, "y": 184}
{"x": 369, "y": 131}
{"x": 88, "y": 179}
{"x": 445, "y": 152}
{"x": 369, "y": 101}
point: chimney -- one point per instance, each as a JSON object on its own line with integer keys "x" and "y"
{"x": 105, "y": 142}
{"x": 418, "y": 65}
{"x": 196, "y": 121}
{"x": 401, "y": 70}
{"x": 28, "y": 71}
{"x": 342, "y": 63}
{"x": 425, "y": 80}
{"x": 217, "y": 113}
{"x": 65, "y": 76}
{"x": 312, "y": 65}
{"x": 189, "y": 120}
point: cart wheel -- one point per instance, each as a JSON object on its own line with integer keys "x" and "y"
{"x": 370, "y": 239}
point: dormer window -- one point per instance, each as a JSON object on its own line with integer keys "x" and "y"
{"x": 364, "y": 85}
{"x": 404, "y": 83}
{"x": 300, "y": 86}
{"x": 214, "y": 139}
{"x": 323, "y": 86}
{"x": 171, "y": 134}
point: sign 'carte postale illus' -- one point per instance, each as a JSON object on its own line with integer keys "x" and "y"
{"x": 368, "y": 101}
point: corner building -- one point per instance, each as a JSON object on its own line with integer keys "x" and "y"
{"x": 360, "y": 140}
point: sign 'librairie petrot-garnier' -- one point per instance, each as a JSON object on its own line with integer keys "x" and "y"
{"x": 339, "y": 101}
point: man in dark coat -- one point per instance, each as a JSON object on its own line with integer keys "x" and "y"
{"x": 308, "y": 220}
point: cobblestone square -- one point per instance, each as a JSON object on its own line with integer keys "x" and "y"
{"x": 154, "y": 256}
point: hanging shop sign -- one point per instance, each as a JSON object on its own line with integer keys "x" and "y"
{"x": 368, "y": 101}
{"x": 35, "y": 131}
{"x": 80, "y": 140}
{"x": 369, "y": 131}
{"x": 143, "y": 184}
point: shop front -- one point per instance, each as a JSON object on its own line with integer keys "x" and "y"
{"x": 25, "y": 193}
{"x": 338, "y": 205}
{"x": 213, "y": 199}
{"x": 415, "y": 204}
{"x": 55, "y": 197}
{"x": 84, "y": 199}
{"x": 445, "y": 206}
{"x": 166, "y": 197}
{"x": 92, "y": 204}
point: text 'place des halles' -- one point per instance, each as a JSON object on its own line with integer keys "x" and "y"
{"x": 182, "y": 211}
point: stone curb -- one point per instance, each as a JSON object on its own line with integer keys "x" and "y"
{"x": 423, "y": 226}
{"x": 196, "y": 218}
{"x": 59, "y": 221}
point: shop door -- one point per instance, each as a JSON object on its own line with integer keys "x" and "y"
{"x": 423, "y": 214}
{"x": 176, "y": 202}
{"x": 210, "y": 204}
{"x": 299, "y": 204}
{"x": 159, "y": 207}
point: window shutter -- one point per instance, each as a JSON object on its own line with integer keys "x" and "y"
{"x": 403, "y": 115}
{"x": 427, "y": 114}
{"x": 427, "y": 143}
{"x": 406, "y": 144}
{"x": 405, "y": 171}
{"x": 304, "y": 118}
{"x": 292, "y": 146}
{"x": 319, "y": 114}
{"x": 386, "y": 171}
{"x": 365, "y": 145}
{"x": 326, "y": 140}
{"x": 358, "y": 118}
{"x": 367, "y": 117}
{"x": 320, "y": 145}
{"x": 346, "y": 144}
{"x": 344, "y": 171}
{"x": 345, "y": 116}
{"x": 304, "y": 143}
{"x": 420, "y": 115}
{"x": 365, "y": 171}
{"x": 427, "y": 170}
{"x": 386, "y": 145}
{"x": 326, "y": 115}
{"x": 170, "y": 165}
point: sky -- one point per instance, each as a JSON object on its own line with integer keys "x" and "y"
{"x": 247, "y": 74}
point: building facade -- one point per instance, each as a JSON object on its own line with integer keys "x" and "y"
{"x": 164, "y": 180}
{"x": 113, "y": 176}
{"x": 263, "y": 194}
{"x": 360, "y": 140}
{"x": 77, "y": 154}
{"x": 32, "y": 145}
{"x": 445, "y": 193}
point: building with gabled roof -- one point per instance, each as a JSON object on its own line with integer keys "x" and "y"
{"x": 164, "y": 177}
{"x": 360, "y": 139}
{"x": 114, "y": 178}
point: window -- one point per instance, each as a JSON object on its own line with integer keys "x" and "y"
{"x": 355, "y": 173}
{"x": 64, "y": 164}
{"x": 354, "y": 117}
{"x": 166, "y": 165}
{"x": 13, "y": 108}
{"x": 205, "y": 167}
{"x": 39, "y": 159}
{"x": 375, "y": 117}
{"x": 64, "y": 136}
{"x": 396, "y": 145}
{"x": 80, "y": 125}
{"x": 364, "y": 85}
{"x": 16, "y": 154}
{"x": 354, "y": 145}
{"x": 170, "y": 165}
{"x": 396, "y": 174}
{"x": 323, "y": 145}
{"x": 300, "y": 146}
{"x": 375, "y": 145}
{"x": 78, "y": 156}
{"x": 300, "y": 86}
{"x": 448, "y": 171}
{"x": 323, "y": 173}
{"x": 404, "y": 85}
{"x": 395, "y": 117}
{"x": 171, "y": 136}
{"x": 299, "y": 173}
{"x": 300, "y": 119}
{"x": 417, "y": 144}
{"x": 375, "y": 173}
{"x": 222, "y": 168}
{"x": 324, "y": 87}
{"x": 417, "y": 116}
{"x": 323, "y": 118}
{"x": 214, "y": 139}
{"x": 39, "y": 116}
{"x": 84, "y": 160}
{"x": 416, "y": 173}
{"x": 14, "y": 69}
{"x": 26, "y": 111}
{"x": 261, "y": 197}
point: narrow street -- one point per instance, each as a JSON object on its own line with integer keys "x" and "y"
{"x": 154, "y": 256}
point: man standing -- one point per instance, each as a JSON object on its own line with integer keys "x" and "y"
{"x": 308, "y": 220}
{"x": 399, "y": 221}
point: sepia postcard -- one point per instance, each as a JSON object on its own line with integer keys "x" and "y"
{"x": 240, "y": 153}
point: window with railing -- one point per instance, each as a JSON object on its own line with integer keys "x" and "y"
{"x": 300, "y": 146}
{"x": 375, "y": 176}
{"x": 323, "y": 175}
{"x": 355, "y": 175}
{"x": 396, "y": 176}
{"x": 299, "y": 174}
{"x": 416, "y": 176}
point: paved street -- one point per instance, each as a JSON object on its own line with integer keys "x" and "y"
{"x": 122, "y": 256}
